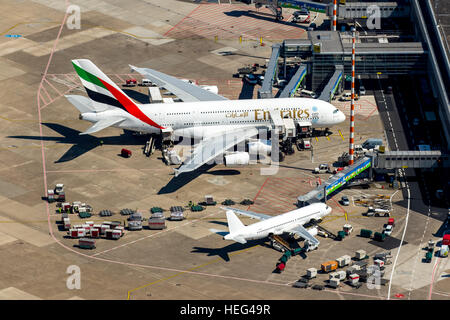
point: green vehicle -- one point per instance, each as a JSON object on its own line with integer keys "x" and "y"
{"x": 428, "y": 256}
{"x": 341, "y": 235}
{"x": 84, "y": 215}
{"x": 379, "y": 236}
{"x": 156, "y": 209}
{"x": 365, "y": 233}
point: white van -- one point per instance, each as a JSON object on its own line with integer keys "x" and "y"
{"x": 146, "y": 82}
{"x": 308, "y": 93}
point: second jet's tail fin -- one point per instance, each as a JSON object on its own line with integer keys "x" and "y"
{"x": 234, "y": 224}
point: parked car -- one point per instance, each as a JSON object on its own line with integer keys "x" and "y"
{"x": 301, "y": 16}
{"x": 362, "y": 90}
{"x": 251, "y": 79}
{"x": 345, "y": 201}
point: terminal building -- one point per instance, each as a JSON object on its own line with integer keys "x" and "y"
{"x": 322, "y": 62}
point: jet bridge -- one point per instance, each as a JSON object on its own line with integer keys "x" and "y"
{"x": 265, "y": 92}
{"x": 386, "y": 160}
{"x": 333, "y": 84}
{"x": 335, "y": 182}
{"x": 294, "y": 83}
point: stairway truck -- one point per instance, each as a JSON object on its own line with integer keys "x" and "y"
{"x": 329, "y": 266}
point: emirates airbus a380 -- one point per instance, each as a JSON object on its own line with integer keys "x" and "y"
{"x": 202, "y": 114}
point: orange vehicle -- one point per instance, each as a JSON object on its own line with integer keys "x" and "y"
{"x": 329, "y": 266}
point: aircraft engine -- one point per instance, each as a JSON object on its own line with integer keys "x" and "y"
{"x": 236, "y": 159}
{"x": 262, "y": 147}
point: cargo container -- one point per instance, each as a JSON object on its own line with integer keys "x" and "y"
{"x": 333, "y": 275}
{"x": 347, "y": 259}
{"x": 156, "y": 223}
{"x": 103, "y": 228}
{"x": 86, "y": 227}
{"x": 86, "y": 243}
{"x": 81, "y": 233}
{"x": 353, "y": 269}
{"x": 341, "y": 275}
{"x": 340, "y": 235}
{"x": 66, "y": 223}
{"x": 329, "y": 266}
{"x": 340, "y": 262}
{"x": 360, "y": 254}
{"x": 377, "y": 236}
{"x": 109, "y": 233}
{"x": 334, "y": 283}
{"x": 50, "y": 196}
{"x": 116, "y": 234}
{"x": 73, "y": 233}
{"x": 365, "y": 233}
{"x": 121, "y": 229}
{"x": 95, "y": 233}
{"x": 311, "y": 273}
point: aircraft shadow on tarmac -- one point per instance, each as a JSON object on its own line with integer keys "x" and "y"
{"x": 224, "y": 252}
{"x": 81, "y": 144}
{"x": 184, "y": 178}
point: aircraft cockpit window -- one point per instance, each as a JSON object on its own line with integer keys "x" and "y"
{"x": 335, "y": 111}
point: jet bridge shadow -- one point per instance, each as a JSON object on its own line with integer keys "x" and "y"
{"x": 225, "y": 251}
{"x": 186, "y": 177}
{"x": 246, "y": 91}
{"x": 82, "y": 144}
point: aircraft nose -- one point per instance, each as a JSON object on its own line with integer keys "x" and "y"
{"x": 341, "y": 116}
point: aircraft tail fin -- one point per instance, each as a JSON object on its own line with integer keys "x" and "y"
{"x": 102, "y": 89}
{"x": 234, "y": 224}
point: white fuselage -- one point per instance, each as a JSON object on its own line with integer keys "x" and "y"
{"x": 195, "y": 119}
{"x": 281, "y": 223}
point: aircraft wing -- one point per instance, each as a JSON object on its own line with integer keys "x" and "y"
{"x": 210, "y": 148}
{"x": 102, "y": 124}
{"x": 183, "y": 90}
{"x": 253, "y": 215}
{"x": 302, "y": 232}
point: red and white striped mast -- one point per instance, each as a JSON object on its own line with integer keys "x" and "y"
{"x": 352, "y": 104}
{"x": 334, "y": 14}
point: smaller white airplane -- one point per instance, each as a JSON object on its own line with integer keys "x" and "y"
{"x": 290, "y": 222}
